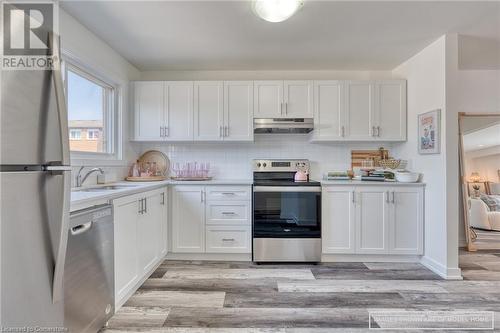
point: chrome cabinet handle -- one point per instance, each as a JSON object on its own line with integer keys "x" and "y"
{"x": 343, "y": 131}
{"x": 378, "y": 131}
{"x": 202, "y": 195}
{"x": 226, "y": 131}
{"x": 228, "y": 239}
{"x": 353, "y": 197}
{"x": 286, "y": 108}
{"x": 281, "y": 108}
{"x": 163, "y": 198}
{"x": 228, "y": 213}
{"x": 140, "y": 206}
{"x": 393, "y": 196}
{"x": 387, "y": 194}
{"x": 221, "y": 134}
{"x": 167, "y": 131}
{"x": 373, "y": 130}
{"x": 161, "y": 132}
{"x": 80, "y": 229}
{"x": 228, "y": 193}
{"x": 145, "y": 205}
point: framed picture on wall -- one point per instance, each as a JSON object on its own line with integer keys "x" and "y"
{"x": 429, "y": 132}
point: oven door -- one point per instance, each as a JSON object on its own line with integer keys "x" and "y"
{"x": 287, "y": 212}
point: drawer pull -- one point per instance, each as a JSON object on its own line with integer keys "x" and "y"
{"x": 228, "y": 239}
{"x": 228, "y": 193}
{"x": 228, "y": 213}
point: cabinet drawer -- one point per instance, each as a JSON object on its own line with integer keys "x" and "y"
{"x": 228, "y": 239}
{"x": 228, "y": 193}
{"x": 232, "y": 213}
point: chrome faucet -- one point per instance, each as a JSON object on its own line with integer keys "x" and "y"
{"x": 80, "y": 179}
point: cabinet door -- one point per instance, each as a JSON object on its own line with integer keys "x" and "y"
{"x": 328, "y": 108}
{"x": 338, "y": 220}
{"x": 359, "y": 102}
{"x": 298, "y": 99}
{"x": 208, "y": 110}
{"x": 148, "y": 110}
{"x": 125, "y": 243}
{"x": 406, "y": 221}
{"x": 238, "y": 110}
{"x": 390, "y": 110}
{"x": 188, "y": 219}
{"x": 149, "y": 232}
{"x": 371, "y": 220}
{"x": 268, "y": 99}
{"x": 179, "y": 111}
{"x": 164, "y": 222}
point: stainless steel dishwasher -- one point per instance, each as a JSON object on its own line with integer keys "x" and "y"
{"x": 89, "y": 270}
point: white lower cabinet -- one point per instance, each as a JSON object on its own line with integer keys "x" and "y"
{"x": 372, "y": 219}
{"x": 228, "y": 239}
{"x": 338, "y": 220}
{"x": 188, "y": 219}
{"x": 211, "y": 219}
{"x": 140, "y": 242}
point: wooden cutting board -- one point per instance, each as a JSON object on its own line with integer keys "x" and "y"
{"x": 357, "y": 156}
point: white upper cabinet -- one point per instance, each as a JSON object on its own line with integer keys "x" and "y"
{"x": 268, "y": 99}
{"x": 328, "y": 110}
{"x": 390, "y": 110}
{"x": 298, "y": 99}
{"x": 238, "y": 111}
{"x": 178, "y": 111}
{"x": 163, "y": 111}
{"x": 359, "y": 110}
{"x": 208, "y": 110}
{"x": 149, "y": 110}
{"x": 283, "y": 99}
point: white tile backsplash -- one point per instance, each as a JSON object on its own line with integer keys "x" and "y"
{"x": 232, "y": 160}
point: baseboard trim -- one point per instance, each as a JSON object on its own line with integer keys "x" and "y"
{"x": 369, "y": 258}
{"x": 441, "y": 270}
{"x": 210, "y": 256}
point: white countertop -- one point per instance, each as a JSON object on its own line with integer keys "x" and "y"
{"x": 367, "y": 182}
{"x": 82, "y": 199}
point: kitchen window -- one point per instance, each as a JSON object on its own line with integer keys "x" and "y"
{"x": 91, "y": 102}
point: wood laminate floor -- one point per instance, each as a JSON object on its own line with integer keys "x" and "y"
{"x": 227, "y": 297}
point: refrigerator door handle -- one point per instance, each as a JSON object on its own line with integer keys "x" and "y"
{"x": 60, "y": 256}
{"x": 60, "y": 99}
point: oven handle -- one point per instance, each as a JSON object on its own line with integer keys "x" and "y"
{"x": 287, "y": 188}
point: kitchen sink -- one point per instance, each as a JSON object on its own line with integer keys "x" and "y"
{"x": 106, "y": 188}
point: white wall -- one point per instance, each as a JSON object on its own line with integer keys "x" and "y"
{"x": 86, "y": 48}
{"x": 231, "y": 160}
{"x": 426, "y": 75}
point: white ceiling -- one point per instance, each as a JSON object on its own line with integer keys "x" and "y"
{"x": 481, "y": 139}
{"x": 226, "y": 35}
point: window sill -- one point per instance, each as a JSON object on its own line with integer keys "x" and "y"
{"x": 91, "y": 159}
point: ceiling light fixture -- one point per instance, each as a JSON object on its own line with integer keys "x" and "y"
{"x": 276, "y": 10}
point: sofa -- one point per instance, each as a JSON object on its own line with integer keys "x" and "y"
{"x": 481, "y": 217}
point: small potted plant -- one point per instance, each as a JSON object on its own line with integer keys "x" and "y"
{"x": 476, "y": 193}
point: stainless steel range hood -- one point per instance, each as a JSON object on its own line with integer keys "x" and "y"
{"x": 283, "y": 125}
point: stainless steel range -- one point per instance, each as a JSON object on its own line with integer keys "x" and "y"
{"x": 286, "y": 213}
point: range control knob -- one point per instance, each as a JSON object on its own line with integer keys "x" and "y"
{"x": 258, "y": 165}
{"x": 264, "y": 165}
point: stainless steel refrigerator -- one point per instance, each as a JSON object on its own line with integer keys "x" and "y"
{"x": 35, "y": 196}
